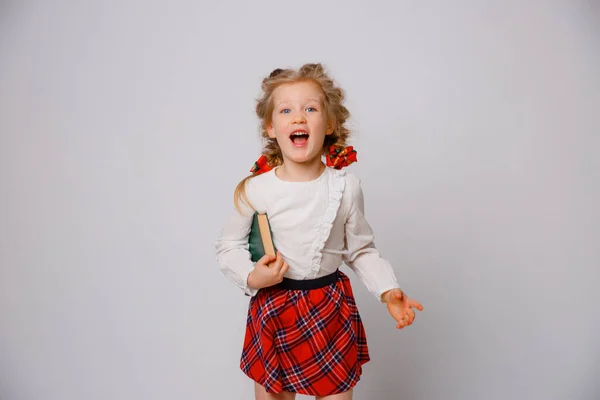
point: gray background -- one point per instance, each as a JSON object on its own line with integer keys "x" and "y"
{"x": 126, "y": 125}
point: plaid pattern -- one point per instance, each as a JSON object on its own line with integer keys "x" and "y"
{"x": 310, "y": 342}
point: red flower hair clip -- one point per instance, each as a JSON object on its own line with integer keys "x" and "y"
{"x": 340, "y": 157}
{"x": 261, "y": 166}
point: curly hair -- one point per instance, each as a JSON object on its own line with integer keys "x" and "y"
{"x": 337, "y": 114}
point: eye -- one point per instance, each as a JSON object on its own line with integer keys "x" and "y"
{"x": 311, "y": 109}
{"x": 285, "y": 111}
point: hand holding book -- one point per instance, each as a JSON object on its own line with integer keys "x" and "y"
{"x": 268, "y": 271}
{"x": 270, "y": 266}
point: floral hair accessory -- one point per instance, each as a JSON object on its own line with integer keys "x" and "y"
{"x": 261, "y": 166}
{"x": 340, "y": 157}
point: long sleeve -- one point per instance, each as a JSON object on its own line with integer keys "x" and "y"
{"x": 362, "y": 257}
{"x": 232, "y": 251}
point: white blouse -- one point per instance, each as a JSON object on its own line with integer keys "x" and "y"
{"x": 317, "y": 225}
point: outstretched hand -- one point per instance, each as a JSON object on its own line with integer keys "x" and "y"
{"x": 401, "y": 307}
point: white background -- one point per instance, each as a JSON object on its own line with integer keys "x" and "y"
{"x": 125, "y": 126}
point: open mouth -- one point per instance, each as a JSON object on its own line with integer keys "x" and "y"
{"x": 299, "y": 137}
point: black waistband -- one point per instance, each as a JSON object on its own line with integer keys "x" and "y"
{"x": 308, "y": 284}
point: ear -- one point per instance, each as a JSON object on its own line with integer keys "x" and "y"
{"x": 330, "y": 128}
{"x": 271, "y": 130}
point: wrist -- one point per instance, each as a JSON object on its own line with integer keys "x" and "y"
{"x": 385, "y": 296}
{"x": 250, "y": 280}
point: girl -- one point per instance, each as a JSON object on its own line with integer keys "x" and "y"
{"x": 303, "y": 331}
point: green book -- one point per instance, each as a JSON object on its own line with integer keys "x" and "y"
{"x": 260, "y": 240}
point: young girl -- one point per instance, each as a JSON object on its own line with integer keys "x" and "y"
{"x": 303, "y": 332}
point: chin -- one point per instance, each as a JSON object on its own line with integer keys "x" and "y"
{"x": 302, "y": 155}
{"x": 305, "y": 160}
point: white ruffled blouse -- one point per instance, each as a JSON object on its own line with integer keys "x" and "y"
{"x": 317, "y": 225}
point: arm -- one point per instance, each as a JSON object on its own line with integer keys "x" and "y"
{"x": 375, "y": 272}
{"x": 363, "y": 258}
{"x": 232, "y": 251}
{"x": 234, "y": 258}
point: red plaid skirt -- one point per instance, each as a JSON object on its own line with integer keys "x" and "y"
{"x": 310, "y": 342}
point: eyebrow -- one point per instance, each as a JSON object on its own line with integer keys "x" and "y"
{"x": 318, "y": 100}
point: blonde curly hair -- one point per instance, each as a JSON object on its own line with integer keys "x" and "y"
{"x": 337, "y": 115}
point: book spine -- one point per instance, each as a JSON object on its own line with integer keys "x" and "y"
{"x": 265, "y": 234}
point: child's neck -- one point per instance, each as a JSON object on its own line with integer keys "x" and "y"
{"x": 294, "y": 172}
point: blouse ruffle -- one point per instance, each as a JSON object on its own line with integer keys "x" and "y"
{"x": 336, "y": 185}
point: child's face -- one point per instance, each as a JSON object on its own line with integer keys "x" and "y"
{"x": 299, "y": 121}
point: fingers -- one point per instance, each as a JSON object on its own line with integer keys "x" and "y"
{"x": 283, "y": 270}
{"x": 278, "y": 264}
{"x": 410, "y": 315}
{"x": 280, "y": 267}
{"x": 404, "y": 321}
{"x": 266, "y": 260}
{"x": 404, "y": 318}
{"x": 398, "y": 315}
{"x": 271, "y": 261}
{"x": 415, "y": 304}
{"x": 401, "y": 323}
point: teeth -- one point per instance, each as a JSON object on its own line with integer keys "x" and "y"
{"x": 299, "y": 133}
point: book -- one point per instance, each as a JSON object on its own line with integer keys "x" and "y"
{"x": 260, "y": 240}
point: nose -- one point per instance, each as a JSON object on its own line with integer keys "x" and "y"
{"x": 298, "y": 118}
